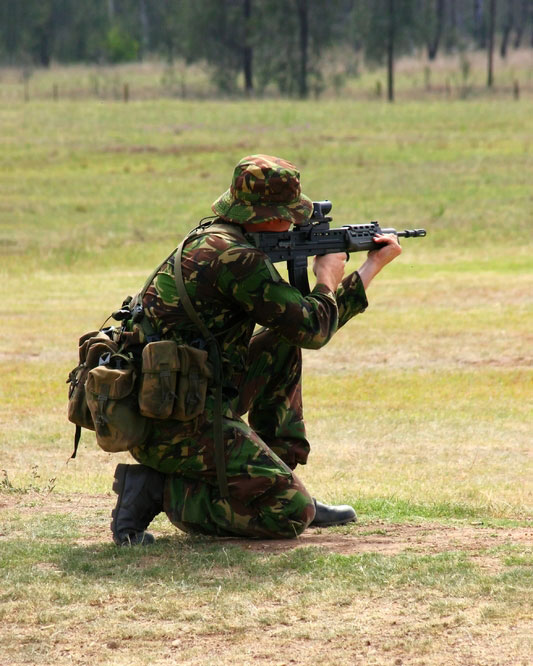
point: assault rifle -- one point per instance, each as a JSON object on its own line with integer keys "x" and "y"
{"x": 316, "y": 238}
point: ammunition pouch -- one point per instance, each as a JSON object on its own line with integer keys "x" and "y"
{"x": 92, "y": 347}
{"x": 174, "y": 381}
{"x": 112, "y": 402}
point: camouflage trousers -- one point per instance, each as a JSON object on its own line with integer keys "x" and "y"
{"x": 266, "y": 499}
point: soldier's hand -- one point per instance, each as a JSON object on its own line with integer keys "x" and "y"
{"x": 390, "y": 249}
{"x": 376, "y": 259}
{"x": 329, "y": 269}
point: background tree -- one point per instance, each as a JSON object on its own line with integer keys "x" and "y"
{"x": 218, "y": 35}
{"x": 479, "y": 24}
{"x": 302, "y": 10}
{"x": 392, "y": 28}
{"x": 524, "y": 21}
{"x": 11, "y": 27}
{"x": 508, "y": 23}
{"x": 289, "y": 39}
{"x": 168, "y": 36}
{"x": 490, "y": 44}
{"x": 38, "y": 30}
{"x": 434, "y": 17}
{"x": 252, "y": 45}
{"x": 247, "y": 49}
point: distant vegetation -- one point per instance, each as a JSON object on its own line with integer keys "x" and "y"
{"x": 299, "y": 48}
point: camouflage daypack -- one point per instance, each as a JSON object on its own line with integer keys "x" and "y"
{"x": 126, "y": 377}
{"x": 102, "y": 395}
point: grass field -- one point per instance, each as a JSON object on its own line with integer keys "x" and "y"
{"x": 419, "y": 411}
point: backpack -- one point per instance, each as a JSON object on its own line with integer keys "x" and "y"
{"x": 102, "y": 395}
{"x": 127, "y": 376}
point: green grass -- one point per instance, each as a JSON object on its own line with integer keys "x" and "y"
{"x": 172, "y": 564}
{"x": 78, "y": 196}
{"x": 419, "y": 411}
{"x": 134, "y": 601}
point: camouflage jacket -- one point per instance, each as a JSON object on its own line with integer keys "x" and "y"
{"x": 233, "y": 287}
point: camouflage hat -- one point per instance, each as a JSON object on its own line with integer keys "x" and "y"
{"x": 264, "y": 188}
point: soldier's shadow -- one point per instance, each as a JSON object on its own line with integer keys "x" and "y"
{"x": 177, "y": 559}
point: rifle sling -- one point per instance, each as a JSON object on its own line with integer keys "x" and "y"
{"x": 216, "y": 359}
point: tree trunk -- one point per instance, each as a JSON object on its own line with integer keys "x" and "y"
{"x": 44, "y": 49}
{"x": 521, "y": 23}
{"x": 303, "y": 20}
{"x": 507, "y": 27}
{"x": 390, "y": 52}
{"x": 247, "y": 52}
{"x": 479, "y": 23}
{"x": 492, "y": 14}
{"x": 453, "y": 20}
{"x": 459, "y": 15}
{"x": 145, "y": 34}
{"x": 453, "y": 15}
{"x": 45, "y": 38}
{"x": 433, "y": 44}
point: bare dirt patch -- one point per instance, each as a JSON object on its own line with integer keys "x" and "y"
{"x": 392, "y": 539}
{"x": 446, "y": 353}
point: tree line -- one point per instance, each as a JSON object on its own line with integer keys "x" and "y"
{"x": 250, "y": 44}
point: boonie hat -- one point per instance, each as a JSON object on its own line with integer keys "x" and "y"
{"x": 264, "y": 188}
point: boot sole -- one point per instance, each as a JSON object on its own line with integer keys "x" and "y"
{"x": 333, "y": 524}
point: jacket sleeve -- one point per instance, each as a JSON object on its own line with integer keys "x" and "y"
{"x": 251, "y": 281}
{"x": 351, "y": 298}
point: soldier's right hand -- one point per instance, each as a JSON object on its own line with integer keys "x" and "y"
{"x": 329, "y": 269}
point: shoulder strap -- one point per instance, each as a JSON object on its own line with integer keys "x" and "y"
{"x": 154, "y": 273}
{"x": 216, "y": 359}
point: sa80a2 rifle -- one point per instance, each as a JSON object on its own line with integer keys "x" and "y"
{"x": 317, "y": 238}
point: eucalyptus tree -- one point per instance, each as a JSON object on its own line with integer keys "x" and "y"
{"x": 387, "y": 29}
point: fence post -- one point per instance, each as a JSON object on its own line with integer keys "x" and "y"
{"x": 126, "y": 92}
{"x": 516, "y": 90}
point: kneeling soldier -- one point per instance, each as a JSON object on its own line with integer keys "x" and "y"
{"x": 246, "y": 486}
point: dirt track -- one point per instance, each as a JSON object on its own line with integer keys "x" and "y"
{"x": 391, "y": 539}
{"x": 371, "y": 537}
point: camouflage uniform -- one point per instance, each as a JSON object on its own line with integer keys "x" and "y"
{"x": 233, "y": 287}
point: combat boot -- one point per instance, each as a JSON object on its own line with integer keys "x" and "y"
{"x": 329, "y": 516}
{"x": 140, "y": 499}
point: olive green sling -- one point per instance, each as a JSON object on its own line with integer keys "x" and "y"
{"x": 215, "y": 356}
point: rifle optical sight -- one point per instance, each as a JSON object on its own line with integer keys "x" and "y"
{"x": 320, "y": 210}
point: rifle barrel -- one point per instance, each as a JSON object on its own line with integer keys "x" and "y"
{"x": 408, "y": 233}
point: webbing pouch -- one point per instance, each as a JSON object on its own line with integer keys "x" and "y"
{"x": 92, "y": 347}
{"x": 112, "y": 401}
{"x": 174, "y": 381}
{"x": 195, "y": 373}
